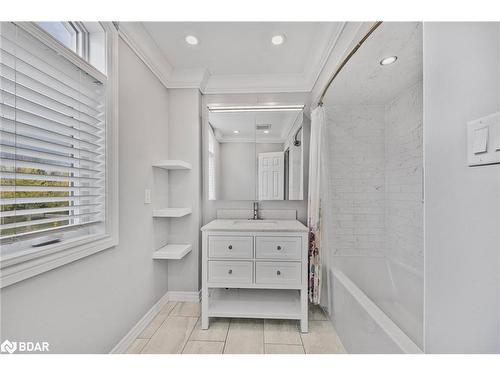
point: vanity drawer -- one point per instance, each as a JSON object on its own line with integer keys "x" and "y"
{"x": 278, "y": 247}
{"x": 230, "y": 247}
{"x": 232, "y": 272}
{"x": 278, "y": 273}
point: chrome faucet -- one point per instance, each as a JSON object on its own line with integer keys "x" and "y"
{"x": 255, "y": 211}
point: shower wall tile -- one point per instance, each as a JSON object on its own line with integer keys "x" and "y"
{"x": 403, "y": 179}
{"x": 374, "y": 179}
{"x": 356, "y": 179}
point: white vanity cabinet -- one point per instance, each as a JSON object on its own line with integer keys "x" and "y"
{"x": 254, "y": 269}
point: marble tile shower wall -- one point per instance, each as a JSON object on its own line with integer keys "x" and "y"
{"x": 403, "y": 179}
{"x": 356, "y": 180}
{"x": 374, "y": 180}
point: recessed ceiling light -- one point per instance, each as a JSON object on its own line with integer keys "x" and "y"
{"x": 266, "y": 131}
{"x": 278, "y": 39}
{"x": 236, "y": 131}
{"x": 191, "y": 40}
{"x": 388, "y": 60}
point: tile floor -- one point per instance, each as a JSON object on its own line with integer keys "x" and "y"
{"x": 176, "y": 329}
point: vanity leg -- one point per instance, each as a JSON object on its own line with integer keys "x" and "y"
{"x": 204, "y": 308}
{"x": 304, "y": 326}
{"x": 204, "y": 322}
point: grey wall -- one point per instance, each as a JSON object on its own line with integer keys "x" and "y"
{"x": 237, "y": 171}
{"x": 184, "y": 143}
{"x": 462, "y": 204}
{"x": 89, "y": 305}
{"x": 238, "y": 168}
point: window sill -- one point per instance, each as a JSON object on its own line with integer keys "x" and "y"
{"x": 20, "y": 268}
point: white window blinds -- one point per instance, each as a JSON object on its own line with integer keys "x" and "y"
{"x": 52, "y": 139}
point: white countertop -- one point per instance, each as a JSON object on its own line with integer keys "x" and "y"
{"x": 241, "y": 225}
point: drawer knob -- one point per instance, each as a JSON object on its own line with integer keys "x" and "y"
{"x": 278, "y": 247}
{"x": 230, "y": 272}
{"x": 230, "y": 247}
{"x": 278, "y": 272}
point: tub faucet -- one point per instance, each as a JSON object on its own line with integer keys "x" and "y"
{"x": 255, "y": 211}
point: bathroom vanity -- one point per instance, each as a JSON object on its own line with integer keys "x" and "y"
{"x": 254, "y": 269}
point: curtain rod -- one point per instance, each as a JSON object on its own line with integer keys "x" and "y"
{"x": 346, "y": 60}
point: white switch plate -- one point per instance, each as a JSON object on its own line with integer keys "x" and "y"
{"x": 480, "y": 140}
{"x": 147, "y": 196}
{"x": 483, "y": 140}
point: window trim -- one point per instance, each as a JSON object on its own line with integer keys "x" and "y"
{"x": 15, "y": 268}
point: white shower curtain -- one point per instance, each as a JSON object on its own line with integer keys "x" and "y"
{"x": 314, "y": 204}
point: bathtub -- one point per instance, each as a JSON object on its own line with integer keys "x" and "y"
{"x": 377, "y": 305}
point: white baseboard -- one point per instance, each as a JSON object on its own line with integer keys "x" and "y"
{"x": 184, "y": 296}
{"x": 131, "y": 335}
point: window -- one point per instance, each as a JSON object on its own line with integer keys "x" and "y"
{"x": 54, "y": 137}
{"x": 64, "y": 32}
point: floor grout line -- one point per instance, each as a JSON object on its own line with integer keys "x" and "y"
{"x": 224, "y": 342}
{"x": 190, "y": 333}
{"x": 149, "y": 338}
{"x": 264, "y": 336}
{"x": 227, "y": 333}
{"x": 156, "y": 330}
{"x": 300, "y": 335}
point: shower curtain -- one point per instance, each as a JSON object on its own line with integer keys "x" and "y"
{"x": 314, "y": 204}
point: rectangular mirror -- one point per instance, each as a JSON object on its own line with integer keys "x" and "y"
{"x": 255, "y": 155}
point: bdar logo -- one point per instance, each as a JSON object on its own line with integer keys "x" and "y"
{"x": 8, "y": 347}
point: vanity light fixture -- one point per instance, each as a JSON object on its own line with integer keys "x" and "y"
{"x": 388, "y": 60}
{"x": 236, "y": 131}
{"x": 191, "y": 40}
{"x": 278, "y": 40}
{"x": 256, "y": 108}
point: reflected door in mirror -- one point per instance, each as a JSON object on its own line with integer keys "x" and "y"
{"x": 271, "y": 176}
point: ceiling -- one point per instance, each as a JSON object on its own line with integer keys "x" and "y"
{"x": 239, "y": 56}
{"x": 365, "y": 81}
{"x": 224, "y": 125}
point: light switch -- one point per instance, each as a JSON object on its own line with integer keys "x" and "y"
{"x": 495, "y": 136}
{"x": 480, "y": 140}
{"x": 147, "y": 196}
{"x": 483, "y": 140}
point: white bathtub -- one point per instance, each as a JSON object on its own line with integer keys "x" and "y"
{"x": 377, "y": 305}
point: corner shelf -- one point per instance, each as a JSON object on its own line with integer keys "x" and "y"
{"x": 172, "y": 251}
{"x": 172, "y": 212}
{"x": 172, "y": 164}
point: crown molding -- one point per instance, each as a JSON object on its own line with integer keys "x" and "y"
{"x": 138, "y": 39}
{"x": 344, "y": 41}
{"x": 144, "y": 46}
{"x": 189, "y": 79}
{"x": 276, "y": 83}
{"x": 257, "y": 83}
{"x": 318, "y": 61}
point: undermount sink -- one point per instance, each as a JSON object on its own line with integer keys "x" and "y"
{"x": 254, "y": 222}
